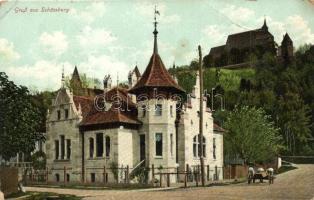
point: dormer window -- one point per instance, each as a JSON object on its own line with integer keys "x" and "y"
{"x": 59, "y": 114}
{"x": 158, "y": 109}
{"x": 66, "y": 113}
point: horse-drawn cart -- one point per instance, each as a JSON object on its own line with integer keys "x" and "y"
{"x": 261, "y": 176}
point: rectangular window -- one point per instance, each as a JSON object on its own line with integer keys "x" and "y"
{"x": 158, "y": 144}
{"x": 66, "y": 113}
{"x": 214, "y": 148}
{"x": 59, "y": 114}
{"x": 56, "y": 149}
{"x": 171, "y": 111}
{"x": 68, "y": 149}
{"x": 99, "y": 144}
{"x": 171, "y": 144}
{"x": 91, "y": 147}
{"x": 62, "y": 146}
{"x": 158, "y": 109}
{"x": 107, "y": 146}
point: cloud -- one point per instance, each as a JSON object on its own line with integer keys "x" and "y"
{"x": 95, "y": 37}
{"x": 296, "y": 26}
{"x": 43, "y": 74}
{"x": 7, "y": 52}
{"x": 99, "y": 66}
{"x": 90, "y": 13}
{"x": 237, "y": 14}
{"x": 55, "y": 43}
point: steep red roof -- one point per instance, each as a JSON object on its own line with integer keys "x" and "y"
{"x": 123, "y": 110}
{"x": 156, "y": 76}
{"x": 85, "y": 102}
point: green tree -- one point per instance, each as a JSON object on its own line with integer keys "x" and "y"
{"x": 251, "y": 135}
{"x": 19, "y": 119}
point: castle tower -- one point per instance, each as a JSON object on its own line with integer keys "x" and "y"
{"x": 286, "y": 49}
{"x": 157, "y": 111}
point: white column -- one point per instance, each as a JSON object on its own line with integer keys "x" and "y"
{"x": 65, "y": 149}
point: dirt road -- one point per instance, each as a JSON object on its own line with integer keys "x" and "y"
{"x": 296, "y": 184}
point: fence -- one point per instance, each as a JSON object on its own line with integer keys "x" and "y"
{"x": 159, "y": 176}
{"x": 191, "y": 174}
{"x": 235, "y": 171}
{"x": 299, "y": 159}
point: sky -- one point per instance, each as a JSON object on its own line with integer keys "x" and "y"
{"x": 112, "y": 36}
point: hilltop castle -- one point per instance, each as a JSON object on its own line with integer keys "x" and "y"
{"x": 240, "y": 47}
{"x": 147, "y": 124}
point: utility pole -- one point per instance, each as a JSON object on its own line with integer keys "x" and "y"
{"x": 201, "y": 115}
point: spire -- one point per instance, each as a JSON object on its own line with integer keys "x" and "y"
{"x": 265, "y": 27}
{"x": 75, "y": 74}
{"x": 62, "y": 78}
{"x": 155, "y": 32}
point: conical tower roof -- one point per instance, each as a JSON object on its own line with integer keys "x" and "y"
{"x": 286, "y": 38}
{"x": 156, "y": 75}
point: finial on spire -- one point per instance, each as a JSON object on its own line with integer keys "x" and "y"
{"x": 155, "y": 31}
{"x": 62, "y": 77}
{"x": 117, "y": 79}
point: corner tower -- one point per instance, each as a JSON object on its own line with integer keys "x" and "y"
{"x": 157, "y": 111}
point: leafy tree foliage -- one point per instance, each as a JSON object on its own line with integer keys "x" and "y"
{"x": 284, "y": 90}
{"x": 251, "y": 135}
{"x": 19, "y": 119}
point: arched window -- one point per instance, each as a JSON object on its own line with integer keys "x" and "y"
{"x": 107, "y": 146}
{"x": 91, "y": 147}
{"x": 197, "y": 146}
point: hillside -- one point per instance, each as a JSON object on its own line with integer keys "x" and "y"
{"x": 228, "y": 79}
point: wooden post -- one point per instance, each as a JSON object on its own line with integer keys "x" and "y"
{"x": 105, "y": 181}
{"x": 168, "y": 180}
{"x": 64, "y": 174}
{"x": 178, "y": 175}
{"x": 153, "y": 172}
{"x": 32, "y": 175}
{"x": 127, "y": 174}
{"x": 201, "y": 115}
{"x": 160, "y": 180}
{"x": 185, "y": 179}
{"x": 196, "y": 178}
{"x": 207, "y": 173}
{"x": 187, "y": 169}
{"x": 46, "y": 175}
{"x": 216, "y": 173}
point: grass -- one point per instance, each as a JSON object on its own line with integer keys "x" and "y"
{"x": 228, "y": 79}
{"x": 42, "y": 196}
{"x": 284, "y": 169}
{"x": 99, "y": 187}
{"x": 51, "y": 196}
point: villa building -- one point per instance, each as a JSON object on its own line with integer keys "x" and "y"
{"x": 147, "y": 124}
